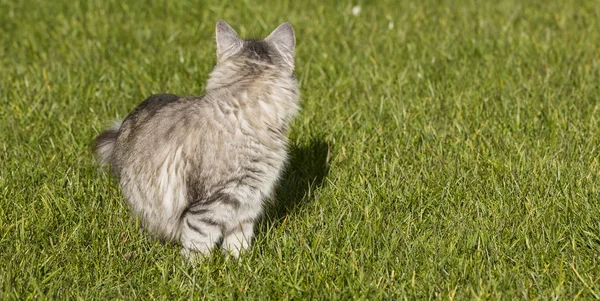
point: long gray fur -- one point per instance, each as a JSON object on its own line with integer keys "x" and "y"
{"x": 198, "y": 169}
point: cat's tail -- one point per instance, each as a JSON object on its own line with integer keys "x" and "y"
{"x": 104, "y": 145}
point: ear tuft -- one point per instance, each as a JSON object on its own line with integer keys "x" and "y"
{"x": 228, "y": 40}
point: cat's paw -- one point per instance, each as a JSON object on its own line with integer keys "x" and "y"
{"x": 194, "y": 257}
{"x": 231, "y": 254}
{"x": 233, "y": 257}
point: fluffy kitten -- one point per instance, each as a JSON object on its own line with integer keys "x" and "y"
{"x": 198, "y": 169}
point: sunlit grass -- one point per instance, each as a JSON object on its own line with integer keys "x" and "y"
{"x": 444, "y": 150}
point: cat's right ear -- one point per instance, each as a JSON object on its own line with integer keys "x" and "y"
{"x": 228, "y": 41}
{"x": 284, "y": 40}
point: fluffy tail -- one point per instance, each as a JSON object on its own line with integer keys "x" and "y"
{"x": 104, "y": 145}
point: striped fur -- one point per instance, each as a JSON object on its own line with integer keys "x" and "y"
{"x": 198, "y": 169}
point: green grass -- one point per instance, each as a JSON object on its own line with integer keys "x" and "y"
{"x": 445, "y": 150}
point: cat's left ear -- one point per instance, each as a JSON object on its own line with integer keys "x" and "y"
{"x": 284, "y": 40}
{"x": 228, "y": 41}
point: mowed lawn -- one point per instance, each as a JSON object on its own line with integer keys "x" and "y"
{"x": 445, "y": 150}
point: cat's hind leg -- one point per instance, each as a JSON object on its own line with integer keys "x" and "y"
{"x": 238, "y": 236}
{"x": 199, "y": 234}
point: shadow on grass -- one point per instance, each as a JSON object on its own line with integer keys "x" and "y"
{"x": 305, "y": 172}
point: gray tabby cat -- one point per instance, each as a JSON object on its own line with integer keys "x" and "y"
{"x": 198, "y": 169}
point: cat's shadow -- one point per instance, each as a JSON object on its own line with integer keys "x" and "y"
{"x": 305, "y": 172}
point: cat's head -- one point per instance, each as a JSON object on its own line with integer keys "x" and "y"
{"x": 275, "y": 52}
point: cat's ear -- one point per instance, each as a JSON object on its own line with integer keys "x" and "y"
{"x": 284, "y": 40}
{"x": 228, "y": 41}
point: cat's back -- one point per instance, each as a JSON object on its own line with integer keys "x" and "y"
{"x": 153, "y": 104}
{"x": 159, "y": 114}
{"x": 156, "y": 126}
{"x": 146, "y": 114}
{"x": 209, "y": 134}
